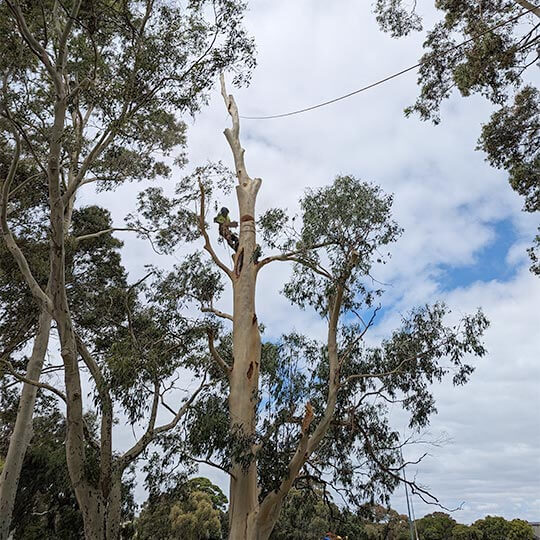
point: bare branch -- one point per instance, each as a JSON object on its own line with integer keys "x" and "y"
{"x": 106, "y": 231}
{"x": 24, "y": 379}
{"x": 233, "y": 135}
{"x": 184, "y": 408}
{"x": 212, "y": 464}
{"x": 217, "y": 357}
{"x": 24, "y": 184}
{"x": 133, "y": 453}
{"x": 529, "y": 6}
{"x": 293, "y": 256}
{"x": 217, "y": 313}
{"x": 426, "y": 497}
{"x": 367, "y": 326}
{"x": 379, "y": 375}
{"x": 103, "y": 142}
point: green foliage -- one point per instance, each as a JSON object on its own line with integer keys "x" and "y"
{"x": 350, "y": 220}
{"x": 494, "y": 64}
{"x": 395, "y": 18}
{"x": 511, "y": 140}
{"x": 309, "y": 513}
{"x": 520, "y": 530}
{"x": 493, "y": 527}
{"x": 132, "y": 72}
{"x": 343, "y": 230}
{"x": 196, "y": 519}
{"x": 436, "y": 526}
{"x": 45, "y": 505}
{"x": 305, "y": 515}
{"x": 191, "y": 510}
{"x": 498, "y": 528}
{"x": 385, "y": 523}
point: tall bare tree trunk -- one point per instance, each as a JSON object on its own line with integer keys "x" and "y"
{"x": 249, "y": 519}
{"x": 22, "y": 432}
{"x": 244, "y": 376}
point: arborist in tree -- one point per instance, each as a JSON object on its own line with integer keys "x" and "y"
{"x": 225, "y": 226}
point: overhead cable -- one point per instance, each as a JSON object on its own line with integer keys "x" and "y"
{"x": 394, "y": 75}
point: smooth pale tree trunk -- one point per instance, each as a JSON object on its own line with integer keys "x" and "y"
{"x": 249, "y": 519}
{"x": 102, "y": 516}
{"x": 244, "y": 376}
{"x": 244, "y": 373}
{"x": 22, "y": 432}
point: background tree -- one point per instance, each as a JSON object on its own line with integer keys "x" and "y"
{"x": 497, "y": 528}
{"x": 436, "y": 526}
{"x": 90, "y": 93}
{"x": 192, "y": 509}
{"x": 308, "y": 513}
{"x": 520, "y": 530}
{"x": 385, "y": 523}
{"x": 496, "y": 65}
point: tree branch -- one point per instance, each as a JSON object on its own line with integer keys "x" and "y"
{"x": 39, "y": 294}
{"x": 105, "y": 231}
{"x": 217, "y": 357}
{"x": 207, "y": 245}
{"x": 24, "y": 379}
{"x": 427, "y": 497}
{"x": 233, "y": 135}
{"x": 34, "y": 44}
{"x": 271, "y": 504}
{"x": 291, "y": 256}
{"x": 394, "y": 371}
{"x": 212, "y": 464}
{"x": 529, "y": 6}
{"x": 217, "y": 313}
{"x": 133, "y": 453}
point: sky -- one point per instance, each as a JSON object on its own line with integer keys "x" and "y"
{"x": 464, "y": 235}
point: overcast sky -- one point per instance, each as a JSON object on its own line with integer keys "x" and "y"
{"x": 464, "y": 242}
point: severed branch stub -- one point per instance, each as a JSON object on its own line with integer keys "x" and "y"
{"x": 308, "y": 418}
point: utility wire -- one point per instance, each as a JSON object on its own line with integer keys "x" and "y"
{"x": 393, "y": 76}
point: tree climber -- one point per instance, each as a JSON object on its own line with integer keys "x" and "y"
{"x": 225, "y": 226}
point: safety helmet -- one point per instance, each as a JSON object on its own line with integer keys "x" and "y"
{"x": 224, "y": 211}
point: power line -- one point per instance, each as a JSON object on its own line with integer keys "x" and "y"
{"x": 393, "y": 76}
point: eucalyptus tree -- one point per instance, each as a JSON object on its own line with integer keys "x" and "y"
{"x": 91, "y": 93}
{"x": 499, "y": 64}
{"x": 131, "y": 348}
{"x": 301, "y": 408}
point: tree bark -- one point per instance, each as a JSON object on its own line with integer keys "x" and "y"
{"x": 102, "y": 515}
{"x": 244, "y": 375}
{"x": 22, "y": 432}
{"x": 529, "y": 6}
